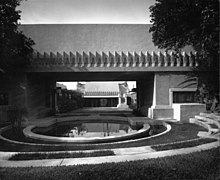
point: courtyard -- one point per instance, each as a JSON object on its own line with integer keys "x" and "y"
{"x": 109, "y": 89}
{"x": 158, "y": 153}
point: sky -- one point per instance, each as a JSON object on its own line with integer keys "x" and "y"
{"x": 85, "y": 11}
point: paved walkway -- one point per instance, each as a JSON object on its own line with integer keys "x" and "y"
{"x": 122, "y": 155}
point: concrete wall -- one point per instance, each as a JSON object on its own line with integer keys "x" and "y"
{"x": 154, "y": 93}
{"x": 37, "y": 93}
{"x": 15, "y": 87}
{"x": 90, "y": 37}
{"x": 162, "y": 104}
{"x": 27, "y": 93}
{"x": 184, "y": 111}
{"x": 145, "y": 94}
{"x": 164, "y": 82}
{"x": 39, "y": 100}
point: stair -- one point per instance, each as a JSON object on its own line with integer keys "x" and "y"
{"x": 208, "y": 120}
{"x": 211, "y": 122}
{"x": 211, "y": 116}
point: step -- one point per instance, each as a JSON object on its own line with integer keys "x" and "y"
{"x": 203, "y": 134}
{"x": 208, "y": 120}
{"x": 200, "y": 123}
{"x": 214, "y": 126}
{"x": 206, "y": 126}
{"x": 212, "y": 116}
{"x": 214, "y": 130}
{"x": 192, "y": 120}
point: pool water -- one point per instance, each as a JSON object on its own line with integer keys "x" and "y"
{"x": 88, "y": 129}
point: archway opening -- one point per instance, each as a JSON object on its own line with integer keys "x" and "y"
{"x": 75, "y": 95}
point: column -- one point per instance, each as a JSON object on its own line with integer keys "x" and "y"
{"x": 161, "y": 108}
{"x": 119, "y": 100}
{"x": 36, "y": 97}
{"x": 145, "y": 94}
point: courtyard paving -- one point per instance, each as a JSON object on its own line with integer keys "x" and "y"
{"x": 121, "y": 154}
{"x": 140, "y": 153}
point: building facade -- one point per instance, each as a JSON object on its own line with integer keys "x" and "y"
{"x": 104, "y": 94}
{"x": 100, "y": 53}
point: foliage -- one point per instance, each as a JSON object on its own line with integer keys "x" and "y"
{"x": 15, "y": 47}
{"x": 199, "y": 165}
{"x": 178, "y": 23}
{"x": 69, "y": 100}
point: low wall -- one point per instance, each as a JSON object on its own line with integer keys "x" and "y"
{"x": 184, "y": 111}
{"x": 160, "y": 112}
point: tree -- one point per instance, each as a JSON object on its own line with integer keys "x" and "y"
{"x": 178, "y": 23}
{"x": 15, "y": 47}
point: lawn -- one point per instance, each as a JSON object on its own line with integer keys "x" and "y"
{"x": 199, "y": 165}
{"x": 178, "y": 145}
{"x": 60, "y": 155}
{"x": 179, "y": 132}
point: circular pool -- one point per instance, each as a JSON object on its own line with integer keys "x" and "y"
{"x": 88, "y": 131}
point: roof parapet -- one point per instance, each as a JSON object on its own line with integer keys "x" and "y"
{"x": 116, "y": 59}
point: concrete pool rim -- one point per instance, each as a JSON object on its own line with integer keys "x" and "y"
{"x": 30, "y": 134}
{"x": 154, "y": 122}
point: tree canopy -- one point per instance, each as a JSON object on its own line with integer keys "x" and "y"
{"x": 178, "y": 23}
{"x": 15, "y": 47}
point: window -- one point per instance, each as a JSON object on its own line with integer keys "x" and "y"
{"x": 184, "y": 97}
{"x": 3, "y": 98}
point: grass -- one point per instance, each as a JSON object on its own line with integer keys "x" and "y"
{"x": 200, "y": 165}
{"x": 179, "y": 132}
{"x": 37, "y": 156}
{"x": 185, "y": 144}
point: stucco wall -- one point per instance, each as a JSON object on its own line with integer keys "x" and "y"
{"x": 162, "y": 102}
{"x": 16, "y": 89}
{"x": 145, "y": 94}
{"x": 165, "y": 81}
{"x": 36, "y": 97}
